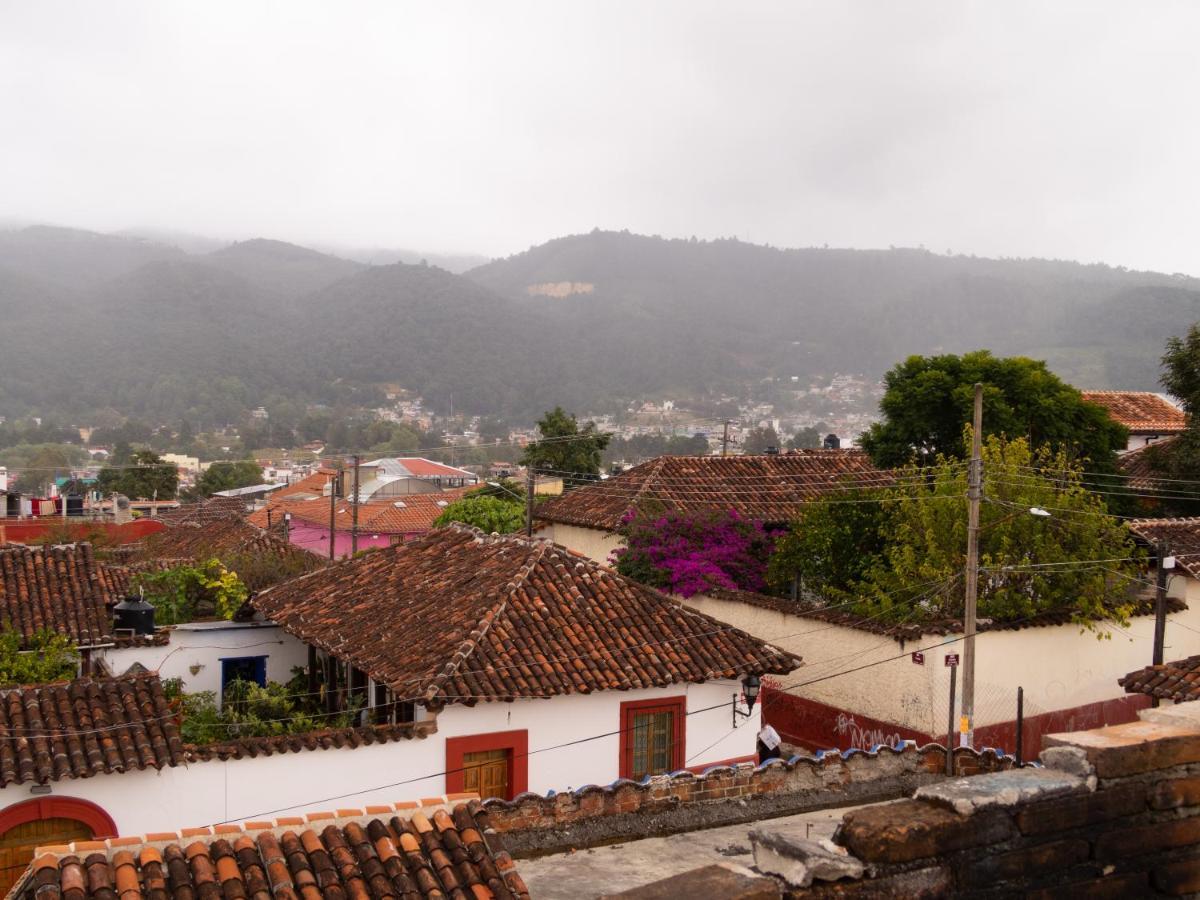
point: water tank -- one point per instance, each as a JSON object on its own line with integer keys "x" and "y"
{"x": 832, "y": 442}
{"x": 771, "y": 451}
{"x": 134, "y": 614}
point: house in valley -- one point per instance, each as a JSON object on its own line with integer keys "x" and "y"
{"x": 381, "y": 523}
{"x": 771, "y": 488}
{"x": 1149, "y": 417}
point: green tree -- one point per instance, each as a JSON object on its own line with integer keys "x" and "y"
{"x": 225, "y": 476}
{"x": 832, "y": 546}
{"x": 145, "y": 476}
{"x": 807, "y": 438}
{"x": 1180, "y": 458}
{"x": 566, "y": 449}
{"x": 1030, "y": 562}
{"x": 491, "y": 514}
{"x": 757, "y": 440}
{"x": 928, "y": 401}
{"x": 47, "y": 656}
{"x": 193, "y": 591}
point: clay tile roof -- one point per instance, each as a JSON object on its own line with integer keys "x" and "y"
{"x": 1140, "y": 411}
{"x": 406, "y": 514}
{"x": 205, "y": 511}
{"x": 1182, "y": 537}
{"x": 770, "y": 488}
{"x": 220, "y": 538}
{"x": 85, "y": 727}
{"x": 418, "y": 467}
{"x": 1140, "y": 469}
{"x": 338, "y": 859}
{"x": 56, "y": 588}
{"x": 1178, "y": 681}
{"x": 310, "y": 484}
{"x": 496, "y": 618}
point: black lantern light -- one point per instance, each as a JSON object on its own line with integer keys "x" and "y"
{"x": 750, "y": 688}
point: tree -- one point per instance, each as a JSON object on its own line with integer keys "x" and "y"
{"x": 757, "y": 440}
{"x": 49, "y": 656}
{"x": 832, "y": 546}
{"x": 928, "y": 400}
{"x": 193, "y": 591}
{"x": 1030, "y": 562}
{"x": 807, "y": 438}
{"x": 145, "y": 476}
{"x": 690, "y": 552}
{"x": 1181, "y": 370}
{"x": 225, "y": 476}
{"x": 566, "y": 449}
{"x": 490, "y": 514}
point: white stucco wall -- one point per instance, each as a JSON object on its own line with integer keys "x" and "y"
{"x": 204, "y": 644}
{"x": 216, "y": 791}
{"x": 1060, "y": 667}
{"x": 594, "y": 543}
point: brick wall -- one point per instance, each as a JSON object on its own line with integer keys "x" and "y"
{"x": 724, "y": 795}
{"x": 1114, "y": 812}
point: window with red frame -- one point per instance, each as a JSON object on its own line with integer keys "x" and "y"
{"x": 652, "y": 737}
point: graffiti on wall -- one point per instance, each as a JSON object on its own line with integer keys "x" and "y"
{"x": 855, "y": 735}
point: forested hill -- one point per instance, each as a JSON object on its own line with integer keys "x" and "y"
{"x": 785, "y": 312}
{"x": 587, "y": 321}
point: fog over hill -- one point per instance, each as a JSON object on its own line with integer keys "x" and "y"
{"x": 589, "y": 321}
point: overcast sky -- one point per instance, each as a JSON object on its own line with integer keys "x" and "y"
{"x": 997, "y": 128}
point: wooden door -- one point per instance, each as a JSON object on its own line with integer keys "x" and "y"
{"x": 18, "y": 843}
{"x": 486, "y": 773}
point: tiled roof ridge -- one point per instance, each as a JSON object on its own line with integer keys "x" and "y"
{"x": 1177, "y": 680}
{"x": 318, "y": 739}
{"x": 651, "y": 476}
{"x": 906, "y": 631}
{"x": 1165, "y": 520}
{"x": 471, "y": 642}
{"x": 816, "y": 760}
{"x": 81, "y": 680}
{"x": 110, "y": 846}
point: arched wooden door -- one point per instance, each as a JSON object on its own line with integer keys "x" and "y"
{"x": 38, "y": 823}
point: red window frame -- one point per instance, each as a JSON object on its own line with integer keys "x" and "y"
{"x": 517, "y": 742}
{"x": 677, "y": 706}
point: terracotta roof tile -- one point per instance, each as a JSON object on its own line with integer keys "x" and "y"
{"x": 409, "y": 514}
{"x": 222, "y": 538}
{"x": 1140, "y": 411}
{"x": 56, "y": 588}
{"x": 1178, "y": 681}
{"x": 1138, "y": 466}
{"x": 1182, "y": 537}
{"x": 1142, "y": 605}
{"x": 344, "y": 859}
{"x": 310, "y": 484}
{"x": 85, "y": 727}
{"x": 209, "y": 510}
{"x": 770, "y": 488}
{"x": 497, "y": 618}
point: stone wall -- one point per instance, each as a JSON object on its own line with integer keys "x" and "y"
{"x": 625, "y": 810}
{"x": 1114, "y": 812}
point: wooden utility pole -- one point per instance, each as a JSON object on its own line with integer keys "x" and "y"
{"x": 354, "y": 511}
{"x": 950, "y": 723}
{"x": 971, "y": 587}
{"x": 529, "y": 476}
{"x": 1160, "y": 602}
{"x": 333, "y": 492}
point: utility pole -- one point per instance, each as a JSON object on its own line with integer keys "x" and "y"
{"x": 354, "y": 511}
{"x": 725, "y": 440}
{"x": 333, "y": 492}
{"x": 974, "y": 495}
{"x": 1160, "y": 601}
{"x": 529, "y": 500}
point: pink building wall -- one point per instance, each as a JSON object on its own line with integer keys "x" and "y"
{"x": 316, "y": 539}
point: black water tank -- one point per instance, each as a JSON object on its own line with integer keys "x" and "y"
{"x": 832, "y": 442}
{"x": 134, "y": 614}
{"x": 772, "y": 451}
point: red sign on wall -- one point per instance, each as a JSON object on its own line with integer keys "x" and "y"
{"x": 951, "y": 659}
{"x": 918, "y": 658}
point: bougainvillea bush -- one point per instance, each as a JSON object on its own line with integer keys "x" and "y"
{"x": 687, "y": 553}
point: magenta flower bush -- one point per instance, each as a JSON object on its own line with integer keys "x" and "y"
{"x": 690, "y": 552}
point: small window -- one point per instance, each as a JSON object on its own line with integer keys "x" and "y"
{"x": 243, "y": 668}
{"x": 652, "y": 738}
